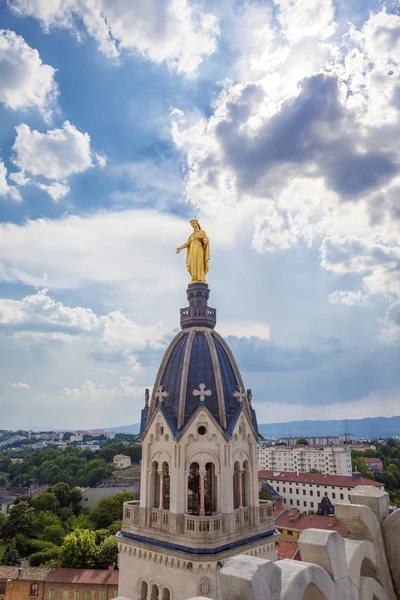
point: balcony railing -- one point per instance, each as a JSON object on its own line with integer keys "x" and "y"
{"x": 203, "y": 525}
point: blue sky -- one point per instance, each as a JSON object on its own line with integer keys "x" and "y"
{"x": 276, "y": 123}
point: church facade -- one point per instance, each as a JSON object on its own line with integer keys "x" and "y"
{"x": 199, "y": 503}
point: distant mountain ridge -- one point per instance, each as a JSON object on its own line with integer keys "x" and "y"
{"x": 362, "y": 428}
{"x": 368, "y": 428}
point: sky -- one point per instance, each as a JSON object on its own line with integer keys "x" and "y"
{"x": 276, "y": 123}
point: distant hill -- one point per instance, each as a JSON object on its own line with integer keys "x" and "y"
{"x": 368, "y": 428}
{"x": 363, "y": 428}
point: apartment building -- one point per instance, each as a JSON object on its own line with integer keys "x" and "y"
{"x": 306, "y": 491}
{"x": 323, "y": 440}
{"x": 331, "y": 460}
{"x": 375, "y": 465}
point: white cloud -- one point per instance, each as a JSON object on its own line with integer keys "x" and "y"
{"x": 55, "y": 154}
{"x": 303, "y": 18}
{"x": 19, "y": 386}
{"x": 55, "y": 190}
{"x": 173, "y": 31}
{"x": 24, "y": 80}
{"x": 7, "y": 190}
{"x": 346, "y": 297}
{"x": 90, "y": 390}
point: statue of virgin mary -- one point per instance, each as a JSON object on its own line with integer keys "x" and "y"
{"x": 197, "y": 253}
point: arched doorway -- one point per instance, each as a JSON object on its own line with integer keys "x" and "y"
{"x": 165, "y": 594}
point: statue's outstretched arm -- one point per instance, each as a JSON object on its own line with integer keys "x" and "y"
{"x": 185, "y": 245}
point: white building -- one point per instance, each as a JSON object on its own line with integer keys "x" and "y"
{"x": 199, "y": 501}
{"x": 121, "y": 461}
{"x": 306, "y": 490}
{"x": 76, "y": 437}
{"x": 323, "y": 440}
{"x": 333, "y": 460}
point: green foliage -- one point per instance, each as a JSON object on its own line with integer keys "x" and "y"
{"x": 263, "y": 495}
{"x": 3, "y": 481}
{"x": 115, "y": 527}
{"x": 44, "y": 558}
{"x": 359, "y": 464}
{"x": 78, "y": 549}
{"x": 302, "y": 441}
{"x": 42, "y": 520}
{"x": 62, "y": 492}
{"x": 80, "y": 521}
{"x": 314, "y": 471}
{"x": 109, "y": 510}
{"x": 101, "y": 535}
{"x": 27, "y": 546}
{"x": 108, "y": 552}
{"x": 54, "y": 534}
{"x": 11, "y": 556}
{"x": 46, "y": 502}
{"x": 20, "y": 520}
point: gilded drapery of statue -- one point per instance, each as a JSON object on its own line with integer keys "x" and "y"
{"x": 197, "y": 253}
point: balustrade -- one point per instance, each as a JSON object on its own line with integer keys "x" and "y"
{"x": 203, "y": 525}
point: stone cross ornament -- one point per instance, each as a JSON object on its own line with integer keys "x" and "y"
{"x": 240, "y": 395}
{"x": 161, "y": 395}
{"x": 202, "y": 392}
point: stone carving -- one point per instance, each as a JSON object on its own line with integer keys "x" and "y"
{"x": 202, "y": 392}
{"x": 204, "y": 586}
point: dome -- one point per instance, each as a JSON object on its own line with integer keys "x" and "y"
{"x": 199, "y": 370}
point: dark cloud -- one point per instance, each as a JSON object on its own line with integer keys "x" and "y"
{"x": 255, "y": 354}
{"x": 313, "y": 128}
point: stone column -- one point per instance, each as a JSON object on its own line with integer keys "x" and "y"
{"x": 161, "y": 474}
{"x": 202, "y": 477}
{"x": 240, "y": 487}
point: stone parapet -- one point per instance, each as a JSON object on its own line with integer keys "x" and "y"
{"x": 364, "y": 567}
{"x": 207, "y": 531}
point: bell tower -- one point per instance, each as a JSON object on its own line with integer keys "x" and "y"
{"x": 199, "y": 503}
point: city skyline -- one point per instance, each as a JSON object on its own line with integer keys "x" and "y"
{"x": 276, "y": 126}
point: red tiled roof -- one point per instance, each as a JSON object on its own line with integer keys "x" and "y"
{"x": 85, "y": 576}
{"x": 317, "y": 478}
{"x": 121, "y": 456}
{"x": 287, "y": 550}
{"x": 306, "y": 521}
{"x": 372, "y": 460}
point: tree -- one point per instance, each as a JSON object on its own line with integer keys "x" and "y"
{"x": 359, "y": 465}
{"x": 75, "y": 496}
{"x": 11, "y": 556}
{"x": 54, "y": 534}
{"x": 78, "y": 549}
{"x": 62, "y": 492}
{"x": 302, "y": 442}
{"x": 109, "y": 510}
{"x": 108, "y": 552}
{"x": 3, "y": 481}
{"x": 314, "y": 471}
{"x": 20, "y": 520}
{"x": 47, "y": 501}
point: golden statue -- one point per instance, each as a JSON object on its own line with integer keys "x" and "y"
{"x": 197, "y": 253}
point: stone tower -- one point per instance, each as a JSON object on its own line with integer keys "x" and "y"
{"x": 199, "y": 501}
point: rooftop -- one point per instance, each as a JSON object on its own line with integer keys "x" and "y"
{"x": 317, "y": 478}
{"x": 288, "y": 550}
{"x": 300, "y": 522}
{"x": 83, "y": 576}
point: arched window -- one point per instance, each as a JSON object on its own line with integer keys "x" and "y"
{"x": 236, "y": 475}
{"x": 166, "y": 486}
{"x": 154, "y": 592}
{"x": 194, "y": 489}
{"x": 154, "y": 486}
{"x": 143, "y": 590}
{"x": 210, "y": 489}
{"x": 246, "y": 482}
{"x": 166, "y": 594}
